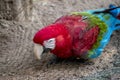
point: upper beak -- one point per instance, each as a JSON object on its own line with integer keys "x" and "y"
{"x": 39, "y": 50}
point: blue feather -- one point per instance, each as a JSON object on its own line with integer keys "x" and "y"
{"x": 113, "y": 24}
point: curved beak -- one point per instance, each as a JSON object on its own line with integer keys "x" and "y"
{"x": 39, "y": 50}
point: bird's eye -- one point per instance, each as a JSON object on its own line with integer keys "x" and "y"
{"x": 50, "y": 40}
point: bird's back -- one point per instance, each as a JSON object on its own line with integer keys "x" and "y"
{"x": 84, "y": 35}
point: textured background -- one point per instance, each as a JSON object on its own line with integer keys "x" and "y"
{"x": 17, "y": 61}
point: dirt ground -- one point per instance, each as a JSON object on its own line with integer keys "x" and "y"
{"x": 17, "y": 61}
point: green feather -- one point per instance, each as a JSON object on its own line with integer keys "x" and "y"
{"x": 94, "y": 21}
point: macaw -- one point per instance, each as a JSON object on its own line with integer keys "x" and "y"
{"x": 78, "y": 34}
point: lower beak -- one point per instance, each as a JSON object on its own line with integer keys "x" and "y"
{"x": 45, "y": 50}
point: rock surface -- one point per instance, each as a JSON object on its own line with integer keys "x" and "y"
{"x": 17, "y": 61}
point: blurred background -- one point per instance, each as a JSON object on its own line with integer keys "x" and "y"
{"x": 20, "y": 19}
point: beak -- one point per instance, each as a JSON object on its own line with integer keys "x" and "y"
{"x": 39, "y": 50}
{"x": 46, "y": 50}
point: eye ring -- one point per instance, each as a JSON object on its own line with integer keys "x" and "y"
{"x": 50, "y": 41}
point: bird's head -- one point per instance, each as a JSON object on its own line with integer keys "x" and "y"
{"x": 49, "y": 38}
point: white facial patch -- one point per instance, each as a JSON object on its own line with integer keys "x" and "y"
{"x": 49, "y": 43}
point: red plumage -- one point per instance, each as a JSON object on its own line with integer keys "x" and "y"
{"x": 72, "y": 33}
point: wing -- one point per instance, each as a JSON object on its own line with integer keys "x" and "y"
{"x": 85, "y": 40}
